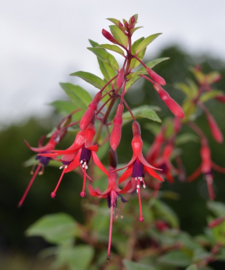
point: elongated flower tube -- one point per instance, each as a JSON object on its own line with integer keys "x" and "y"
{"x": 156, "y": 77}
{"x": 90, "y": 112}
{"x": 120, "y": 78}
{"x": 216, "y": 132}
{"x": 117, "y": 128}
{"x": 137, "y": 166}
{"x": 171, "y": 103}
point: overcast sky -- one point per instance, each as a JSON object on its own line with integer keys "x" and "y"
{"x": 42, "y": 41}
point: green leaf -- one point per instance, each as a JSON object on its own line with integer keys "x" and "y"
{"x": 212, "y": 76}
{"x": 193, "y": 87}
{"x": 55, "y": 228}
{"x": 134, "y": 62}
{"x": 210, "y": 95}
{"x": 105, "y": 57}
{"x": 192, "y": 267}
{"x": 200, "y": 77}
{"x": 146, "y": 42}
{"x": 184, "y": 88}
{"x": 63, "y": 106}
{"x": 119, "y": 35}
{"x": 80, "y": 97}
{"x": 107, "y": 71}
{"x": 144, "y": 111}
{"x": 114, "y": 48}
{"x": 115, "y": 21}
{"x": 90, "y": 78}
{"x": 78, "y": 257}
{"x": 176, "y": 258}
{"x": 136, "y": 266}
{"x": 134, "y": 29}
{"x": 164, "y": 211}
{"x": 186, "y": 137}
{"x": 150, "y": 64}
{"x": 217, "y": 208}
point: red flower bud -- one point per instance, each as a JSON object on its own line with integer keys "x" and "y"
{"x": 221, "y": 98}
{"x": 132, "y": 20}
{"x": 158, "y": 79}
{"x": 216, "y": 222}
{"x": 117, "y": 128}
{"x": 107, "y": 35}
{"x": 89, "y": 114}
{"x": 120, "y": 78}
{"x": 217, "y": 135}
{"x": 206, "y": 158}
{"x": 171, "y": 103}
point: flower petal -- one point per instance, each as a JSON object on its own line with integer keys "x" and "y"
{"x": 98, "y": 163}
{"x": 126, "y": 174}
{"x": 153, "y": 173}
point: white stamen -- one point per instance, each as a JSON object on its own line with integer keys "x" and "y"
{"x": 66, "y": 167}
{"x": 138, "y": 186}
{"x": 140, "y": 178}
{"x": 144, "y": 186}
{"x": 137, "y": 190}
{"x": 81, "y": 161}
{"x": 136, "y": 178}
{"x": 86, "y": 167}
{"x": 61, "y": 167}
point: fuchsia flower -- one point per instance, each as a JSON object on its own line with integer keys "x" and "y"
{"x": 112, "y": 193}
{"x": 78, "y": 154}
{"x": 55, "y": 138}
{"x": 206, "y": 168}
{"x": 137, "y": 166}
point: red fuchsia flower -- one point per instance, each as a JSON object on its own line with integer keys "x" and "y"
{"x": 206, "y": 168}
{"x": 79, "y": 155}
{"x": 117, "y": 128}
{"x": 137, "y": 166}
{"x": 55, "y": 138}
{"x": 90, "y": 112}
{"x": 171, "y": 103}
{"x": 112, "y": 193}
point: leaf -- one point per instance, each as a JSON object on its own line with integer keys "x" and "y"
{"x": 184, "y": 88}
{"x": 186, "y": 137}
{"x": 144, "y": 111}
{"x": 107, "y": 71}
{"x": 105, "y": 57}
{"x": 164, "y": 211}
{"x": 200, "y": 77}
{"x": 114, "y": 48}
{"x": 80, "y": 97}
{"x": 193, "y": 88}
{"x": 150, "y": 64}
{"x": 115, "y": 21}
{"x": 212, "y": 77}
{"x": 55, "y": 228}
{"x": 176, "y": 258}
{"x": 134, "y": 62}
{"x": 134, "y": 29}
{"x": 130, "y": 265}
{"x": 90, "y": 78}
{"x": 78, "y": 257}
{"x": 64, "y": 107}
{"x": 192, "y": 267}
{"x": 210, "y": 95}
{"x": 146, "y": 42}
{"x": 217, "y": 208}
{"x": 119, "y": 35}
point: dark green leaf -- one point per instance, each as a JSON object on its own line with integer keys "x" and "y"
{"x": 114, "y": 48}
{"x": 105, "y": 57}
{"x": 90, "y": 78}
{"x": 134, "y": 62}
{"x": 176, "y": 258}
{"x": 184, "y": 88}
{"x": 55, "y": 228}
{"x": 145, "y": 43}
{"x": 136, "y": 266}
{"x": 144, "y": 111}
{"x": 119, "y": 35}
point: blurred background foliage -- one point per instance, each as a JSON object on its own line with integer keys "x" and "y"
{"x": 20, "y": 252}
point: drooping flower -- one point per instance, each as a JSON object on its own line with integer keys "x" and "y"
{"x": 112, "y": 193}
{"x": 43, "y": 161}
{"x": 79, "y": 155}
{"x": 137, "y": 166}
{"x": 206, "y": 168}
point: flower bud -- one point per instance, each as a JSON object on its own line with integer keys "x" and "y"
{"x": 171, "y": 103}
{"x": 217, "y": 135}
{"x": 107, "y": 35}
{"x": 136, "y": 128}
{"x": 216, "y": 222}
{"x": 117, "y": 128}
{"x": 132, "y": 20}
{"x": 120, "y": 79}
{"x": 158, "y": 79}
{"x": 221, "y": 98}
{"x": 90, "y": 112}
